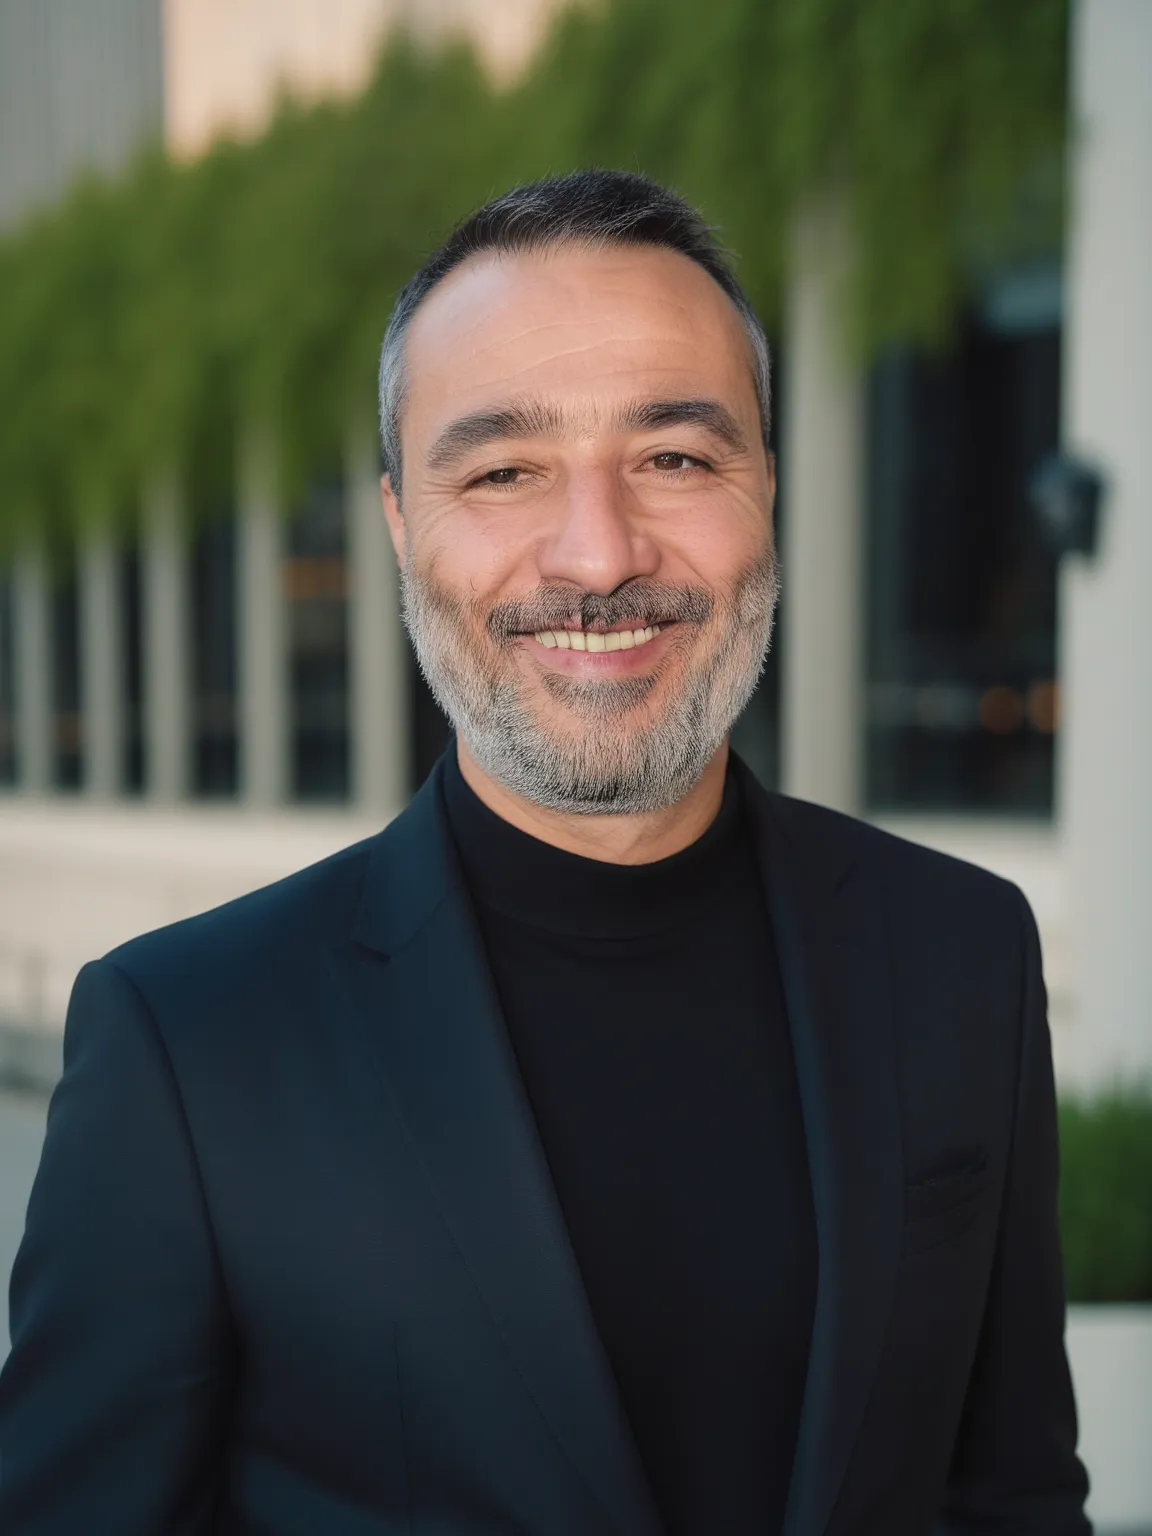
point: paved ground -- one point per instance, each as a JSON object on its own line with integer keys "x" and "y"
{"x": 21, "y": 1132}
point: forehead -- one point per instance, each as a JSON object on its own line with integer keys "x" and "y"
{"x": 593, "y": 326}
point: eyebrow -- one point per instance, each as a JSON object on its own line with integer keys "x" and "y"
{"x": 534, "y": 418}
{"x": 651, "y": 415}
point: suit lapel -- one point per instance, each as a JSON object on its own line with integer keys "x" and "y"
{"x": 423, "y": 993}
{"x": 833, "y": 950}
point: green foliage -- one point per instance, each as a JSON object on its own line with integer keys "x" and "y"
{"x": 942, "y": 125}
{"x": 140, "y": 320}
{"x": 1106, "y": 1195}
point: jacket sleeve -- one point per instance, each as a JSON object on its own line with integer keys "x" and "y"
{"x": 1015, "y": 1465}
{"x": 113, "y": 1399}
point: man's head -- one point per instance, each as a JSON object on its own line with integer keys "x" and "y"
{"x": 578, "y": 393}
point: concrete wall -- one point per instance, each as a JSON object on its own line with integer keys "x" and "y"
{"x": 80, "y": 86}
{"x": 1105, "y": 785}
{"x": 78, "y": 878}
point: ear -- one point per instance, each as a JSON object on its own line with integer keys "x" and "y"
{"x": 393, "y": 517}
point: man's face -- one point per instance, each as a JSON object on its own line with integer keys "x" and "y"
{"x": 585, "y": 537}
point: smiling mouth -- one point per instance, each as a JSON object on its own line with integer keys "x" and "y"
{"x": 595, "y": 640}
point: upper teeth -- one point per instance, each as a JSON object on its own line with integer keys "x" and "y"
{"x": 596, "y": 640}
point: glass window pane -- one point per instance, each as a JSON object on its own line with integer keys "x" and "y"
{"x": 961, "y": 703}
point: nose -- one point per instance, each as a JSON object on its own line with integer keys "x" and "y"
{"x": 598, "y": 540}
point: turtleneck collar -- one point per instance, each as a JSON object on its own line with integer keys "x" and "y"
{"x": 558, "y": 892}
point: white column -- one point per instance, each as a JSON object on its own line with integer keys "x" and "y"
{"x": 261, "y": 625}
{"x": 379, "y": 702}
{"x": 102, "y": 663}
{"x": 1105, "y": 781}
{"x": 822, "y": 470}
{"x": 166, "y": 635}
{"x": 32, "y": 668}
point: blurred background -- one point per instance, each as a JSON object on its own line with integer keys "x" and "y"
{"x": 944, "y": 215}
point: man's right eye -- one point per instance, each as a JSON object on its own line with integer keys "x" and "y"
{"x": 506, "y": 476}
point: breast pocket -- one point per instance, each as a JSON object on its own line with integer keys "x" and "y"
{"x": 947, "y": 1205}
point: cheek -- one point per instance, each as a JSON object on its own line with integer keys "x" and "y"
{"x": 476, "y": 555}
{"x": 722, "y": 547}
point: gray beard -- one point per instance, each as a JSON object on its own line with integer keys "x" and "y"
{"x": 621, "y": 756}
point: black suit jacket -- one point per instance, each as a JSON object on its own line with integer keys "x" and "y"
{"x": 294, "y": 1265}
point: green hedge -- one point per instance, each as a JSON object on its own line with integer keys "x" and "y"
{"x": 140, "y": 319}
{"x": 1106, "y": 1195}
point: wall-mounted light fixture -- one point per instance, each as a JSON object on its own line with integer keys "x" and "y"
{"x": 1066, "y": 495}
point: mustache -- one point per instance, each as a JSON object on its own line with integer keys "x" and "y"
{"x": 638, "y": 601}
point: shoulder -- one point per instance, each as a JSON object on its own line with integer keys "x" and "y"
{"x": 314, "y": 906}
{"x": 914, "y": 878}
{"x": 258, "y": 972}
{"x": 959, "y": 951}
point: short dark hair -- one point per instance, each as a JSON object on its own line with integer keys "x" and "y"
{"x": 584, "y": 208}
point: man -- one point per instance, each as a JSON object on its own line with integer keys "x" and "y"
{"x": 606, "y": 1146}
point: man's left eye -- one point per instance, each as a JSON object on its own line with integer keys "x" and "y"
{"x": 675, "y": 463}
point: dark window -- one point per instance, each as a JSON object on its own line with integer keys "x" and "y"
{"x": 962, "y": 700}
{"x": 64, "y": 644}
{"x": 133, "y": 673}
{"x": 315, "y": 587}
{"x": 214, "y": 658}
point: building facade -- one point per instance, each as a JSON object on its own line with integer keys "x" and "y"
{"x": 259, "y": 664}
{"x": 81, "y": 88}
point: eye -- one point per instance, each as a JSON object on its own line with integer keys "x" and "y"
{"x": 676, "y": 463}
{"x": 508, "y": 475}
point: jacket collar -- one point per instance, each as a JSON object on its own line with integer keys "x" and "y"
{"x": 474, "y": 1131}
{"x": 412, "y": 867}
{"x": 433, "y": 1022}
{"x": 827, "y": 908}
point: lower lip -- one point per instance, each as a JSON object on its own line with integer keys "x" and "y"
{"x": 630, "y": 663}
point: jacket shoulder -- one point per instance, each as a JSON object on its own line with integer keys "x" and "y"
{"x": 910, "y": 870}
{"x": 315, "y": 904}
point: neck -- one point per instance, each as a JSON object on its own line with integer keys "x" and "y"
{"x": 628, "y": 839}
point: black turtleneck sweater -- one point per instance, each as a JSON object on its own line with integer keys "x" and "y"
{"x": 646, "y": 1013}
